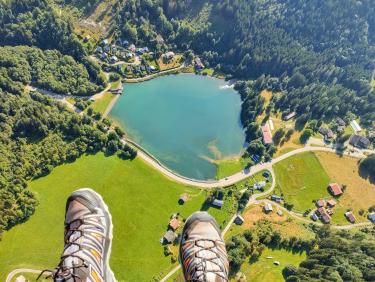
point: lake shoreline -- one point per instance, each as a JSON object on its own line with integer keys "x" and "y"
{"x": 227, "y": 136}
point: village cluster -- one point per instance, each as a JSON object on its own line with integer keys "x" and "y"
{"x": 124, "y": 57}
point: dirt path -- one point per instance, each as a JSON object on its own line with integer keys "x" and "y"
{"x": 20, "y": 271}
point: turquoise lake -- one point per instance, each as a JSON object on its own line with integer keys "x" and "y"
{"x": 184, "y": 120}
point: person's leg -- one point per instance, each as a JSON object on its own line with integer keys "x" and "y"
{"x": 88, "y": 239}
{"x": 202, "y": 250}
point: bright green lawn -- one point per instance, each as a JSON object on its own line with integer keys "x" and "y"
{"x": 101, "y": 104}
{"x": 140, "y": 200}
{"x": 208, "y": 71}
{"x": 116, "y": 84}
{"x": 301, "y": 179}
{"x": 265, "y": 270}
{"x": 229, "y": 167}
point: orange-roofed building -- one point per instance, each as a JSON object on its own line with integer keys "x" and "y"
{"x": 335, "y": 189}
{"x": 174, "y": 224}
{"x": 267, "y": 135}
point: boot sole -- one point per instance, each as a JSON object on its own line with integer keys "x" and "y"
{"x": 94, "y": 200}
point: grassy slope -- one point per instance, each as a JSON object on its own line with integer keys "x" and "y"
{"x": 229, "y": 167}
{"x": 264, "y": 269}
{"x": 140, "y": 200}
{"x": 101, "y": 104}
{"x": 359, "y": 194}
{"x": 301, "y": 179}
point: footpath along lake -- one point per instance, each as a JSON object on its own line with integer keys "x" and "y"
{"x": 184, "y": 120}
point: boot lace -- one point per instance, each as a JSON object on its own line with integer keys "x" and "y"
{"x": 68, "y": 272}
{"x": 205, "y": 254}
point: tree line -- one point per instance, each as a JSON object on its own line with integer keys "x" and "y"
{"x": 321, "y": 70}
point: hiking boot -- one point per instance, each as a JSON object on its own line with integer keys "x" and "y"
{"x": 88, "y": 238}
{"x": 202, "y": 250}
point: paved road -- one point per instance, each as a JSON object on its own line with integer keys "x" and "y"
{"x": 150, "y": 76}
{"x": 230, "y": 180}
{"x": 20, "y": 271}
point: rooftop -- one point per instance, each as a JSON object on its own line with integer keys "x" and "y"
{"x": 267, "y": 135}
{"x": 335, "y": 189}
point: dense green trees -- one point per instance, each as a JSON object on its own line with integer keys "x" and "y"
{"x": 339, "y": 256}
{"x": 37, "y": 134}
{"x": 323, "y": 70}
{"x": 367, "y": 167}
{"x": 48, "y": 70}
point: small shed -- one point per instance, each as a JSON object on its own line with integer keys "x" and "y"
{"x": 268, "y": 208}
{"x": 276, "y": 198}
{"x": 314, "y": 217}
{"x": 239, "y": 220}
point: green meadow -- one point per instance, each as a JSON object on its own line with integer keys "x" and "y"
{"x": 301, "y": 179}
{"x": 141, "y": 202}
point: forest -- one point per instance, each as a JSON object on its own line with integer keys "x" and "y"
{"x": 48, "y": 70}
{"x": 38, "y": 133}
{"x": 322, "y": 70}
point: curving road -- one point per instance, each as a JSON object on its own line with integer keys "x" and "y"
{"x": 230, "y": 180}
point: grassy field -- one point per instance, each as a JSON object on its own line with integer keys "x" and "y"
{"x": 359, "y": 194}
{"x": 301, "y": 179}
{"x": 174, "y": 63}
{"x": 287, "y": 226}
{"x": 101, "y": 104}
{"x": 140, "y": 200}
{"x": 264, "y": 269}
{"x": 229, "y": 167}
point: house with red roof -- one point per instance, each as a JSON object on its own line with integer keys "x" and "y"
{"x": 267, "y": 135}
{"x": 335, "y": 189}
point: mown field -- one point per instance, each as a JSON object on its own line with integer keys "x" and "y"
{"x": 141, "y": 202}
{"x": 359, "y": 194}
{"x": 301, "y": 179}
{"x": 265, "y": 270}
{"x": 101, "y": 104}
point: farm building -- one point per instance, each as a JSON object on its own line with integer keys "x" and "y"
{"x": 320, "y": 203}
{"x": 331, "y": 203}
{"x": 326, "y": 218}
{"x": 335, "y": 189}
{"x": 276, "y": 198}
{"x": 314, "y": 217}
{"x": 268, "y": 208}
{"x": 359, "y": 142}
{"x": 354, "y": 124}
{"x": 267, "y": 135}
{"x": 350, "y": 217}
{"x": 371, "y": 217}
{"x": 326, "y": 132}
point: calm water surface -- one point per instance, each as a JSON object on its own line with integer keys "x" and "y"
{"x": 184, "y": 120}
